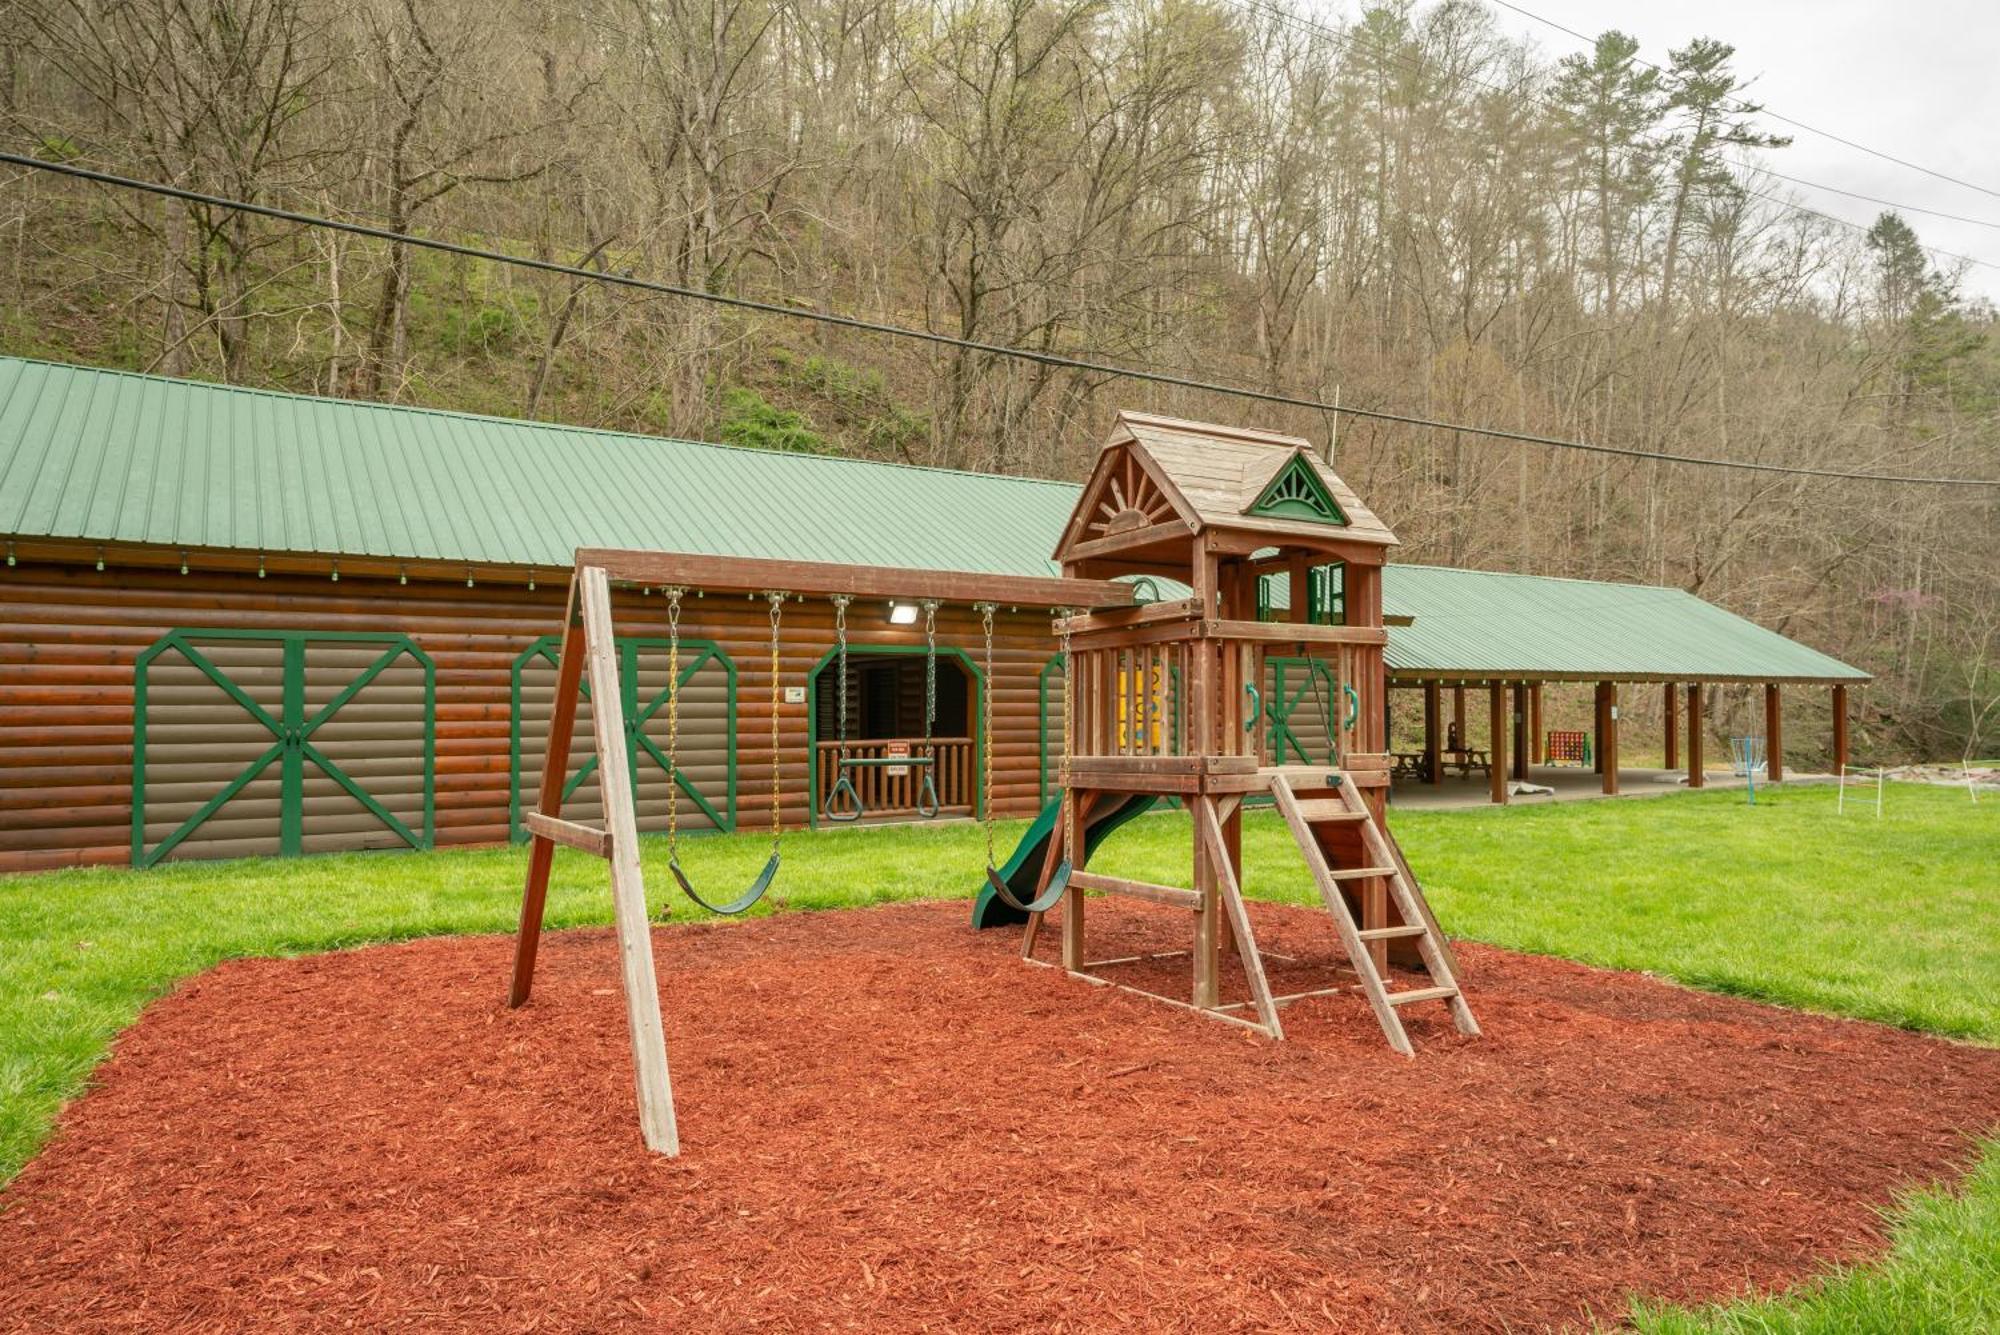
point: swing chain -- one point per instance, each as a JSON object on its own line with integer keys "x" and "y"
{"x": 930, "y": 671}
{"x": 1075, "y": 852}
{"x": 840, "y": 602}
{"x": 986, "y": 611}
{"x": 673, "y": 719}
{"x": 777, "y": 601}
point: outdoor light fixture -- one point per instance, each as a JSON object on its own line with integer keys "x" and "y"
{"x": 902, "y": 614}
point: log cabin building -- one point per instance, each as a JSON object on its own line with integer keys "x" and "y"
{"x": 244, "y": 622}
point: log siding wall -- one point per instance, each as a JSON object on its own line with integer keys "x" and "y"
{"x": 70, "y": 636}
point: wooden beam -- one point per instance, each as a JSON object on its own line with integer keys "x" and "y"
{"x": 1536, "y": 738}
{"x": 628, "y": 886}
{"x": 1670, "y": 723}
{"x": 1696, "y": 779}
{"x": 817, "y": 578}
{"x": 1172, "y": 896}
{"x": 1496, "y": 745}
{"x": 555, "y": 766}
{"x": 1839, "y": 729}
{"x": 1610, "y": 690}
{"x": 1774, "y": 734}
{"x": 1433, "y": 743}
{"x": 1521, "y": 731}
{"x": 568, "y": 833}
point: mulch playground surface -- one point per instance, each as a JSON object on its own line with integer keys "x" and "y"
{"x": 890, "y": 1123}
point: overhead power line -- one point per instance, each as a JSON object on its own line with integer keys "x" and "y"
{"x": 1766, "y": 111}
{"x": 1108, "y": 369}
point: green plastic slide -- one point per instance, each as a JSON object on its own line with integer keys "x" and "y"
{"x": 1024, "y": 867}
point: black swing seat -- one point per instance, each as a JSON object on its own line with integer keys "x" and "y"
{"x": 743, "y": 903}
{"x": 1042, "y": 903}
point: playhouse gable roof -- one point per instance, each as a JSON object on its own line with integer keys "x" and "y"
{"x": 1171, "y": 473}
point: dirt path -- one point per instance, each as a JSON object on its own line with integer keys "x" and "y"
{"x": 892, "y": 1124}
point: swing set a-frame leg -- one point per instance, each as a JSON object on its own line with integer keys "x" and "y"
{"x": 588, "y": 646}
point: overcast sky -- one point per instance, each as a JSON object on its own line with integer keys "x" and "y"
{"x": 1919, "y": 79}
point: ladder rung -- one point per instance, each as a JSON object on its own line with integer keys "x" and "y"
{"x": 1387, "y": 933}
{"x": 1420, "y": 994}
{"x": 1328, "y": 811}
{"x": 1358, "y": 873}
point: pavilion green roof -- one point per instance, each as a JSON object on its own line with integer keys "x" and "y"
{"x": 114, "y": 456}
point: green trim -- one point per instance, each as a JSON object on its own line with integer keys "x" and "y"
{"x": 973, "y": 717}
{"x": 1283, "y": 704}
{"x": 1298, "y": 493}
{"x": 290, "y": 732}
{"x": 695, "y": 655}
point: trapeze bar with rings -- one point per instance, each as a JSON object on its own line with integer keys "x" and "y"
{"x": 744, "y": 902}
{"x": 843, "y": 800}
{"x": 1053, "y": 892}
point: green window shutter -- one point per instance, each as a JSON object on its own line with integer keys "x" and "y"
{"x": 1297, "y": 493}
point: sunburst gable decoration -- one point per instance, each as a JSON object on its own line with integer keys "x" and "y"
{"x": 1298, "y": 493}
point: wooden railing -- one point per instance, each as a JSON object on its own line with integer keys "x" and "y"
{"x": 893, "y": 788}
{"x": 1137, "y": 699}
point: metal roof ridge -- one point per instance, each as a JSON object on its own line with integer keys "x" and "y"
{"x": 1566, "y": 579}
{"x": 527, "y": 422}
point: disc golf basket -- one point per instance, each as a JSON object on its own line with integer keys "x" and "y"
{"x": 1746, "y": 757}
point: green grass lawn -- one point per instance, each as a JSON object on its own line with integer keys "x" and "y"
{"x": 1895, "y": 920}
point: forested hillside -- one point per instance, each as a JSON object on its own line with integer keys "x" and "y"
{"x": 1409, "y": 211}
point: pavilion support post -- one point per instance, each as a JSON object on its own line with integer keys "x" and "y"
{"x": 1433, "y": 744}
{"x": 1536, "y": 739}
{"x": 1597, "y": 728}
{"x": 1496, "y": 721}
{"x": 1774, "y": 733}
{"x": 1696, "y": 778}
{"x": 1458, "y": 714}
{"x": 1520, "y": 745}
{"x": 1670, "y": 724}
{"x": 1840, "y": 730}
{"x": 1609, "y": 691}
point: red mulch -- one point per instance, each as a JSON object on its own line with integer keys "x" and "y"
{"x": 890, "y": 1123}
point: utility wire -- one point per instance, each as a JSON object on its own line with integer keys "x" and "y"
{"x": 1766, "y": 111}
{"x": 948, "y": 340}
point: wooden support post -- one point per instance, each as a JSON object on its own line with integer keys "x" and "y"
{"x": 1207, "y": 928}
{"x": 1521, "y": 732}
{"x": 628, "y": 887}
{"x": 1496, "y": 721}
{"x": 1433, "y": 743}
{"x": 1458, "y": 714}
{"x": 1774, "y": 733}
{"x": 1670, "y": 724}
{"x": 1839, "y": 729}
{"x": 1597, "y": 728}
{"x": 555, "y": 764}
{"x": 1072, "y": 903}
{"x": 1696, "y": 779}
{"x": 1536, "y": 738}
{"x": 1609, "y": 691}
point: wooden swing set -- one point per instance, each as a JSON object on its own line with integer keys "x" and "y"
{"x": 1161, "y": 699}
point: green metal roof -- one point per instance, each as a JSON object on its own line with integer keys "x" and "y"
{"x": 1481, "y": 622}
{"x": 113, "y": 456}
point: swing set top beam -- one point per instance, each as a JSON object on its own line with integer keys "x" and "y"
{"x": 817, "y": 578}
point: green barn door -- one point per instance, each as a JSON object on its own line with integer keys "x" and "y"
{"x": 704, "y": 786}
{"x": 280, "y": 743}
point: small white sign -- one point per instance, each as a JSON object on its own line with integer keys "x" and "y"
{"x": 795, "y": 695}
{"x": 897, "y": 751}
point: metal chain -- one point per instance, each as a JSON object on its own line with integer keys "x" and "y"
{"x": 777, "y": 601}
{"x": 673, "y": 719}
{"x": 986, "y": 611}
{"x": 840, "y": 602}
{"x": 1075, "y": 858}
{"x": 930, "y": 672}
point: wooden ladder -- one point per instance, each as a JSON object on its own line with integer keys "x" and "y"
{"x": 1347, "y": 807}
